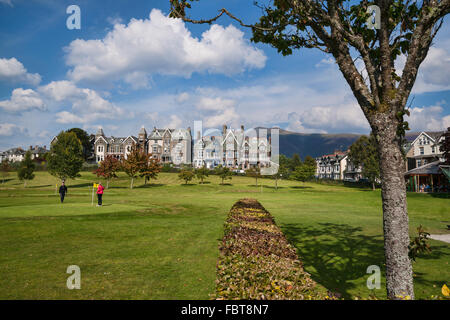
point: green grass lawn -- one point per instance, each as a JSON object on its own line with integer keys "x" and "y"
{"x": 160, "y": 241}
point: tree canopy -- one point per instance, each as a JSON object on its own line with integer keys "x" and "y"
{"x": 85, "y": 141}
{"x": 186, "y": 175}
{"x": 223, "y": 172}
{"x": 445, "y": 146}
{"x": 363, "y": 152}
{"x": 26, "y": 169}
{"x": 202, "y": 173}
{"x": 65, "y": 158}
{"x": 108, "y": 168}
{"x": 134, "y": 162}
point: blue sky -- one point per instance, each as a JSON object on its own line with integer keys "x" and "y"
{"x": 130, "y": 65}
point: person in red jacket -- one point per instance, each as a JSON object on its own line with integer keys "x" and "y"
{"x": 100, "y": 194}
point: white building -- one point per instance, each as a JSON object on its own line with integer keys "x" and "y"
{"x": 13, "y": 155}
{"x": 424, "y": 149}
{"x": 331, "y": 166}
{"x": 234, "y": 148}
{"x": 166, "y": 145}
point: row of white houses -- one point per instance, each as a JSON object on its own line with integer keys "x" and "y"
{"x": 18, "y": 154}
{"x": 233, "y": 148}
{"x": 420, "y": 149}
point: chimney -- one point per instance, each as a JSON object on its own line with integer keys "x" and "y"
{"x": 45, "y": 147}
{"x": 224, "y": 129}
{"x": 242, "y": 127}
{"x": 31, "y": 147}
{"x": 198, "y": 135}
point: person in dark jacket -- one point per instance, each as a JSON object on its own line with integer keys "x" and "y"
{"x": 100, "y": 194}
{"x": 62, "y": 191}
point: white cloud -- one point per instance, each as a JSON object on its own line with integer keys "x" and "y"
{"x": 23, "y": 100}
{"x": 215, "y": 104}
{"x": 429, "y": 118}
{"x": 228, "y": 116}
{"x": 114, "y": 20}
{"x": 183, "y": 97}
{"x": 160, "y": 45}
{"x": 336, "y": 118}
{"x": 87, "y": 104}
{"x": 67, "y": 117}
{"x": 8, "y": 129}
{"x": 137, "y": 80}
{"x": 175, "y": 122}
{"x": 8, "y": 2}
{"x": 14, "y": 71}
{"x": 434, "y": 73}
{"x": 61, "y": 90}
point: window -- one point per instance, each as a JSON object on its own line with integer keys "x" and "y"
{"x": 433, "y": 149}
{"x": 100, "y": 149}
{"x": 419, "y": 163}
{"x": 155, "y": 149}
{"x": 421, "y": 150}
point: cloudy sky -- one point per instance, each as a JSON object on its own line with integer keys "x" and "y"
{"x": 131, "y": 65}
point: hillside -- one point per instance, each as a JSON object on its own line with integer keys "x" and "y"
{"x": 313, "y": 144}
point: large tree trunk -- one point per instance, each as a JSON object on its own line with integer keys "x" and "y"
{"x": 399, "y": 280}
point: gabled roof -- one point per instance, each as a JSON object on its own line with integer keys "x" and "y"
{"x": 184, "y": 133}
{"x": 433, "y": 135}
{"x": 133, "y": 138}
{"x": 229, "y": 131}
{"x": 100, "y": 137}
{"x": 15, "y": 151}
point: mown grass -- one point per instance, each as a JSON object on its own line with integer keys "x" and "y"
{"x": 160, "y": 241}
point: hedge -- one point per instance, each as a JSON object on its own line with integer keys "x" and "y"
{"x": 256, "y": 261}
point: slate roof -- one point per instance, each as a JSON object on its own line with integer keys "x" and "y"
{"x": 14, "y": 151}
{"x": 430, "y": 168}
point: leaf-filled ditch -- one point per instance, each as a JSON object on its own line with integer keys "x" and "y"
{"x": 256, "y": 261}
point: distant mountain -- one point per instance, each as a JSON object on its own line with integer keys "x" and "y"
{"x": 314, "y": 144}
{"x": 318, "y": 144}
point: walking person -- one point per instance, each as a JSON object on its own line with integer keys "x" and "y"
{"x": 100, "y": 194}
{"x": 62, "y": 191}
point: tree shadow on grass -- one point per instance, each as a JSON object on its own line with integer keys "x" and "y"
{"x": 80, "y": 185}
{"x": 339, "y": 253}
{"x": 273, "y": 187}
{"x": 300, "y": 187}
{"x": 442, "y": 195}
{"x": 151, "y": 185}
{"x": 41, "y": 186}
